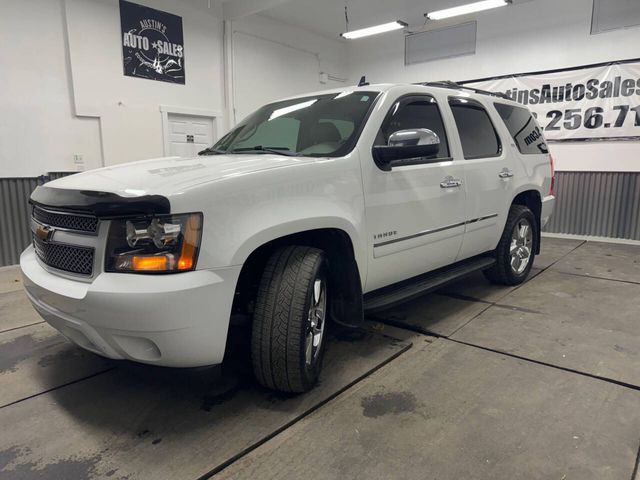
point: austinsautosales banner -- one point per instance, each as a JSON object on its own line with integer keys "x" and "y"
{"x": 587, "y": 103}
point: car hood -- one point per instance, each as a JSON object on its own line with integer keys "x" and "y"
{"x": 172, "y": 175}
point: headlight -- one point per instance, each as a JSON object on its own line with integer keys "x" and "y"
{"x": 159, "y": 244}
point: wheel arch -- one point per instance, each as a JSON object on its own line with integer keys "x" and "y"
{"x": 344, "y": 274}
{"x": 533, "y": 200}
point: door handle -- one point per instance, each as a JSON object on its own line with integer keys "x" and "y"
{"x": 450, "y": 182}
{"x": 505, "y": 173}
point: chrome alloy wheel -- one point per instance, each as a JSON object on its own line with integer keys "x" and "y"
{"x": 521, "y": 246}
{"x": 317, "y": 316}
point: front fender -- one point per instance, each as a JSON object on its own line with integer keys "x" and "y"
{"x": 265, "y": 233}
{"x": 244, "y": 212}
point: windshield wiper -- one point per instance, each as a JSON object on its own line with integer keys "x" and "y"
{"x": 259, "y": 148}
{"x": 211, "y": 151}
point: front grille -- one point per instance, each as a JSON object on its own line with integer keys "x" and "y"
{"x": 70, "y": 258}
{"x": 69, "y": 221}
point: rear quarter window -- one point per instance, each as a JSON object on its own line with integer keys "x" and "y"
{"x": 523, "y": 128}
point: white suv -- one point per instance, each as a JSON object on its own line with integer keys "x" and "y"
{"x": 318, "y": 207}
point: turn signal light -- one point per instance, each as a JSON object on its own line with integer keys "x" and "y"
{"x": 190, "y": 243}
{"x": 149, "y": 264}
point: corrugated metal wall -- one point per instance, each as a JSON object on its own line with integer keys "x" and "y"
{"x": 14, "y": 214}
{"x": 604, "y": 204}
{"x": 14, "y": 217}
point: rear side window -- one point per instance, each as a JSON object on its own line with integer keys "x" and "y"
{"x": 523, "y": 128}
{"x": 478, "y": 136}
{"x": 414, "y": 112}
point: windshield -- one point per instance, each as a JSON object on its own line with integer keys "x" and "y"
{"x": 318, "y": 126}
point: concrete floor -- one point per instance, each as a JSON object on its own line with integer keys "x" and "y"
{"x": 473, "y": 381}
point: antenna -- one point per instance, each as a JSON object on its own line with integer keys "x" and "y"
{"x": 346, "y": 16}
{"x": 363, "y": 81}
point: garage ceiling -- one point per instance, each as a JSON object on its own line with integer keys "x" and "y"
{"x": 326, "y": 17}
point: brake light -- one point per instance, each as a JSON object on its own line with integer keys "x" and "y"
{"x": 553, "y": 175}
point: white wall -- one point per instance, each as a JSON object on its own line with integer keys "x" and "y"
{"x": 532, "y": 36}
{"x": 38, "y": 130}
{"x": 63, "y": 92}
{"x": 273, "y": 60}
{"x": 128, "y": 107}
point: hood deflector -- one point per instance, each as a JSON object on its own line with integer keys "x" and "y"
{"x": 100, "y": 204}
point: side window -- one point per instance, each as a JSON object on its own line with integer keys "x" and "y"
{"x": 523, "y": 128}
{"x": 414, "y": 112}
{"x": 478, "y": 136}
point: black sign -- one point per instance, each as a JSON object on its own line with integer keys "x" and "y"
{"x": 152, "y": 43}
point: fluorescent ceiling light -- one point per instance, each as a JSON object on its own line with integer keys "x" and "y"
{"x": 465, "y": 9}
{"x": 365, "y": 32}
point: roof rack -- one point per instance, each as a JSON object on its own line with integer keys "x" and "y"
{"x": 457, "y": 86}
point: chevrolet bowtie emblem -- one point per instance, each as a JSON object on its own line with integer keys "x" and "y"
{"x": 44, "y": 233}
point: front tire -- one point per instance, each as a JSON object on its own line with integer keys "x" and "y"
{"x": 515, "y": 253}
{"x": 289, "y": 321}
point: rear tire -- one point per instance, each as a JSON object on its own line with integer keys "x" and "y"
{"x": 515, "y": 253}
{"x": 289, "y": 321}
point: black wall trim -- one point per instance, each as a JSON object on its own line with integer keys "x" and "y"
{"x": 100, "y": 204}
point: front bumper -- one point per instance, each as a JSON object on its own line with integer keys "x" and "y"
{"x": 548, "y": 203}
{"x": 174, "y": 320}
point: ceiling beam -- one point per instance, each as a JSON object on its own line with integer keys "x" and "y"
{"x": 232, "y": 9}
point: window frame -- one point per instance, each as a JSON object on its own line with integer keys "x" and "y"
{"x": 403, "y": 100}
{"x": 475, "y": 104}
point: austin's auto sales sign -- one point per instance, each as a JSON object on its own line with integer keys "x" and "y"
{"x": 152, "y": 43}
{"x": 595, "y": 102}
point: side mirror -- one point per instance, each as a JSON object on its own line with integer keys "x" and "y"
{"x": 405, "y": 147}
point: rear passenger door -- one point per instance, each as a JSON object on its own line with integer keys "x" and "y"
{"x": 488, "y": 172}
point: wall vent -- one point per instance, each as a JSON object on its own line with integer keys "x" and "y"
{"x": 614, "y": 14}
{"x": 441, "y": 43}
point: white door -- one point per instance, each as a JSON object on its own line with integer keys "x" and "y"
{"x": 189, "y": 134}
{"x": 414, "y": 223}
{"x": 487, "y": 170}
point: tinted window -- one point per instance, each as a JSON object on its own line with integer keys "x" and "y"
{"x": 345, "y": 127}
{"x": 523, "y": 128}
{"x": 281, "y": 132}
{"x": 414, "y": 112}
{"x": 477, "y": 135}
{"x": 322, "y": 125}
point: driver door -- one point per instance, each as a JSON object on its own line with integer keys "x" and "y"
{"x": 415, "y": 214}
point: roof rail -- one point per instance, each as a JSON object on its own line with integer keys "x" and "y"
{"x": 457, "y": 86}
